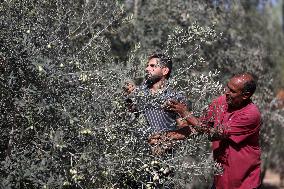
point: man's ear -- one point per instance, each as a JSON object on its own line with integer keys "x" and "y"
{"x": 165, "y": 71}
{"x": 246, "y": 95}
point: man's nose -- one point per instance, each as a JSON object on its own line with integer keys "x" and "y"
{"x": 226, "y": 90}
{"x": 147, "y": 69}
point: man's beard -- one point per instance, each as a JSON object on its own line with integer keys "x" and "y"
{"x": 232, "y": 104}
{"x": 229, "y": 100}
{"x": 152, "y": 79}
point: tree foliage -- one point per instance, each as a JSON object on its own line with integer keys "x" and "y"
{"x": 63, "y": 63}
{"x": 248, "y": 42}
{"x": 64, "y": 120}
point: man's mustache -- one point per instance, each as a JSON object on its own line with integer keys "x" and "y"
{"x": 148, "y": 75}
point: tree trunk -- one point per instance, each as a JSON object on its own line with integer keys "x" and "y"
{"x": 135, "y": 8}
{"x": 283, "y": 15}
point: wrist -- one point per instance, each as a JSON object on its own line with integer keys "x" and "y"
{"x": 185, "y": 114}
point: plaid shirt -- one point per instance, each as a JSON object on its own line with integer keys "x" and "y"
{"x": 152, "y": 106}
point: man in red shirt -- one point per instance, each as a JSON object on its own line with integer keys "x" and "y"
{"x": 233, "y": 123}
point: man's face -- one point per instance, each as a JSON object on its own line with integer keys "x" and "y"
{"x": 154, "y": 71}
{"x": 234, "y": 92}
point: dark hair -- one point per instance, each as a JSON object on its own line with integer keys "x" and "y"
{"x": 250, "y": 85}
{"x": 164, "y": 61}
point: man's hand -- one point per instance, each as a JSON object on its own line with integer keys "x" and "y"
{"x": 155, "y": 138}
{"x": 179, "y": 134}
{"x": 128, "y": 87}
{"x": 183, "y": 111}
{"x": 160, "y": 143}
{"x": 177, "y": 107}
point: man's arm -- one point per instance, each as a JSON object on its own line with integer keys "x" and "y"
{"x": 196, "y": 123}
{"x": 129, "y": 88}
{"x": 181, "y": 133}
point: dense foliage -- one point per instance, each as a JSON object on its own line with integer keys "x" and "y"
{"x": 250, "y": 41}
{"x": 63, "y": 64}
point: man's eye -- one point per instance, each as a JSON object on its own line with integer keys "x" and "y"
{"x": 152, "y": 65}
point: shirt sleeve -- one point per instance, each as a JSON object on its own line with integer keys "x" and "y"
{"x": 209, "y": 115}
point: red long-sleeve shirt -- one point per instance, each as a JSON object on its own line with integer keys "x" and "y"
{"x": 239, "y": 152}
